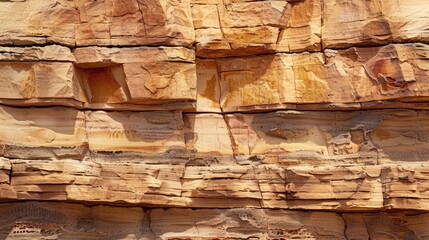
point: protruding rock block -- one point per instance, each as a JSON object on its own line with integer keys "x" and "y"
{"x": 303, "y": 27}
{"x": 254, "y": 81}
{"x": 240, "y": 28}
{"x": 208, "y": 89}
{"x": 137, "y": 75}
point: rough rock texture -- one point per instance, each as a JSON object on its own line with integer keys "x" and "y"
{"x": 347, "y": 78}
{"x": 364, "y": 23}
{"x": 214, "y": 119}
{"x": 105, "y": 22}
{"x": 73, "y": 221}
{"x": 98, "y": 77}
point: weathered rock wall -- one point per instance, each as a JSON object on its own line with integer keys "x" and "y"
{"x": 73, "y": 221}
{"x": 206, "y": 119}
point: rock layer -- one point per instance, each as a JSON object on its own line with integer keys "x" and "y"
{"x": 209, "y": 119}
{"x": 58, "y": 220}
{"x": 149, "y": 78}
{"x": 83, "y": 23}
{"x": 216, "y": 185}
{"x": 287, "y": 159}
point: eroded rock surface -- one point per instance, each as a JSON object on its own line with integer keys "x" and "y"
{"x": 214, "y": 119}
{"x": 105, "y": 23}
{"x": 59, "y": 220}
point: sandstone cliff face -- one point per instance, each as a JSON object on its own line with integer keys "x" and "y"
{"x": 209, "y": 119}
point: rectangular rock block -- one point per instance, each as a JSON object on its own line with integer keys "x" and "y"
{"x": 207, "y": 133}
{"x": 25, "y": 80}
{"x": 32, "y": 133}
{"x": 364, "y": 23}
{"x": 240, "y": 28}
{"x": 150, "y": 132}
{"x": 385, "y": 136}
{"x": 38, "y": 22}
{"x": 60, "y": 220}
